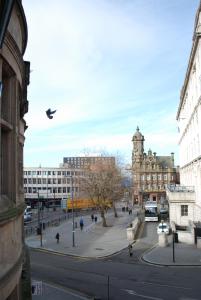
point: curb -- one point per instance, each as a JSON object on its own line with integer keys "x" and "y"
{"x": 45, "y": 250}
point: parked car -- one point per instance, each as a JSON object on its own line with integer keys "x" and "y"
{"x": 27, "y": 214}
{"x": 27, "y": 217}
{"x": 28, "y": 210}
{"x": 163, "y": 227}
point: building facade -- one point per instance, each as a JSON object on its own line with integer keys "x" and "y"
{"x": 14, "y": 78}
{"x": 81, "y": 162}
{"x": 185, "y": 201}
{"x": 51, "y": 185}
{"x": 151, "y": 173}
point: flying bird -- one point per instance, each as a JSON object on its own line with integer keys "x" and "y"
{"x": 49, "y": 113}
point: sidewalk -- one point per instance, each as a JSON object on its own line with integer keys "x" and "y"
{"x": 184, "y": 255}
{"x": 93, "y": 241}
{"x": 96, "y": 241}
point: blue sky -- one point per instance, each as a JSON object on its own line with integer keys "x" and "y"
{"x": 107, "y": 66}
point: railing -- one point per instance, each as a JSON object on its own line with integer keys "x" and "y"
{"x": 180, "y": 188}
{"x": 32, "y": 230}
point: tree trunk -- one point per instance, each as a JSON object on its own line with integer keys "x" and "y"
{"x": 115, "y": 211}
{"x": 103, "y": 218}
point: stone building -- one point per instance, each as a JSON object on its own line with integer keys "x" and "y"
{"x": 185, "y": 200}
{"x": 14, "y": 78}
{"x": 151, "y": 173}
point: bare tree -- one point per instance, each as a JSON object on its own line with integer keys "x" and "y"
{"x": 102, "y": 184}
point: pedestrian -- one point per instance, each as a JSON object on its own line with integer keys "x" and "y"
{"x": 95, "y": 219}
{"x": 81, "y": 223}
{"x": 92, "y": 217}
{"x": 57, "y": 237}
{"x": 130, "y": 249}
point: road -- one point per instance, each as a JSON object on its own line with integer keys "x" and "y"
{"x": 128, "y": 278}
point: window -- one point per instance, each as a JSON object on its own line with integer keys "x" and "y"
{"x": 184, "y": 210}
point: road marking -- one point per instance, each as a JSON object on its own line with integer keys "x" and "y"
{"x": 166, "y": 285}
{"x": 131, "y": 292}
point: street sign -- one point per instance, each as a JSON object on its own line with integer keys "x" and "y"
{"x": 37, "y": 288}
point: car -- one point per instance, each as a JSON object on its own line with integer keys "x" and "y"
{"x": 28, "y": 210}
{"x": 163, "y": 227}
{"x": 27, "y": 217}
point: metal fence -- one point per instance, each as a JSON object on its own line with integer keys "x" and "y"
{"x": 180, "y": 188}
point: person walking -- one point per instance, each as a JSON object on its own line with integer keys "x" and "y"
{"x": 130, "y": 249}
{"x": 81, "y": 223}
{"x": 95, "y": 218}
{"x": 57, "y": 237}
{"x": 92, "y": 217}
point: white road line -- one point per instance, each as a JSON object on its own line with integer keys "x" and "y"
{"x": 131, "y": 292}
{"x": 166, "y": 285}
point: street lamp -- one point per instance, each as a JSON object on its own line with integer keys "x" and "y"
{"x": 72, "y": 199}
{"x": 39, "y": 229}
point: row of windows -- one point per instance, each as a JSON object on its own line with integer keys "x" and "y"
{"x": 50, "y": 181}
{"x": 154, "y": 177}
{"x": 59, "y": 173}
{"x": 59, "y": 190}
{"x": 153, "y": 187}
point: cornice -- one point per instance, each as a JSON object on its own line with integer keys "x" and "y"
{"x": 11, "y": 213}
{"x": 25, "y": 36}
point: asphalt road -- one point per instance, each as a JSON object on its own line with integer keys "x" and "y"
{"x": 119, "y": 276}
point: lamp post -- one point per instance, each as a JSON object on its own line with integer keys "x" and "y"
{"x": 173, "y": 240}
{"x": 162, "y": 226}
{"x": 72, "y": 199}
{"x": 39, "y": 230}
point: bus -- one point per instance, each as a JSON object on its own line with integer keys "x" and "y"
{"x": 151, "y": 211}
